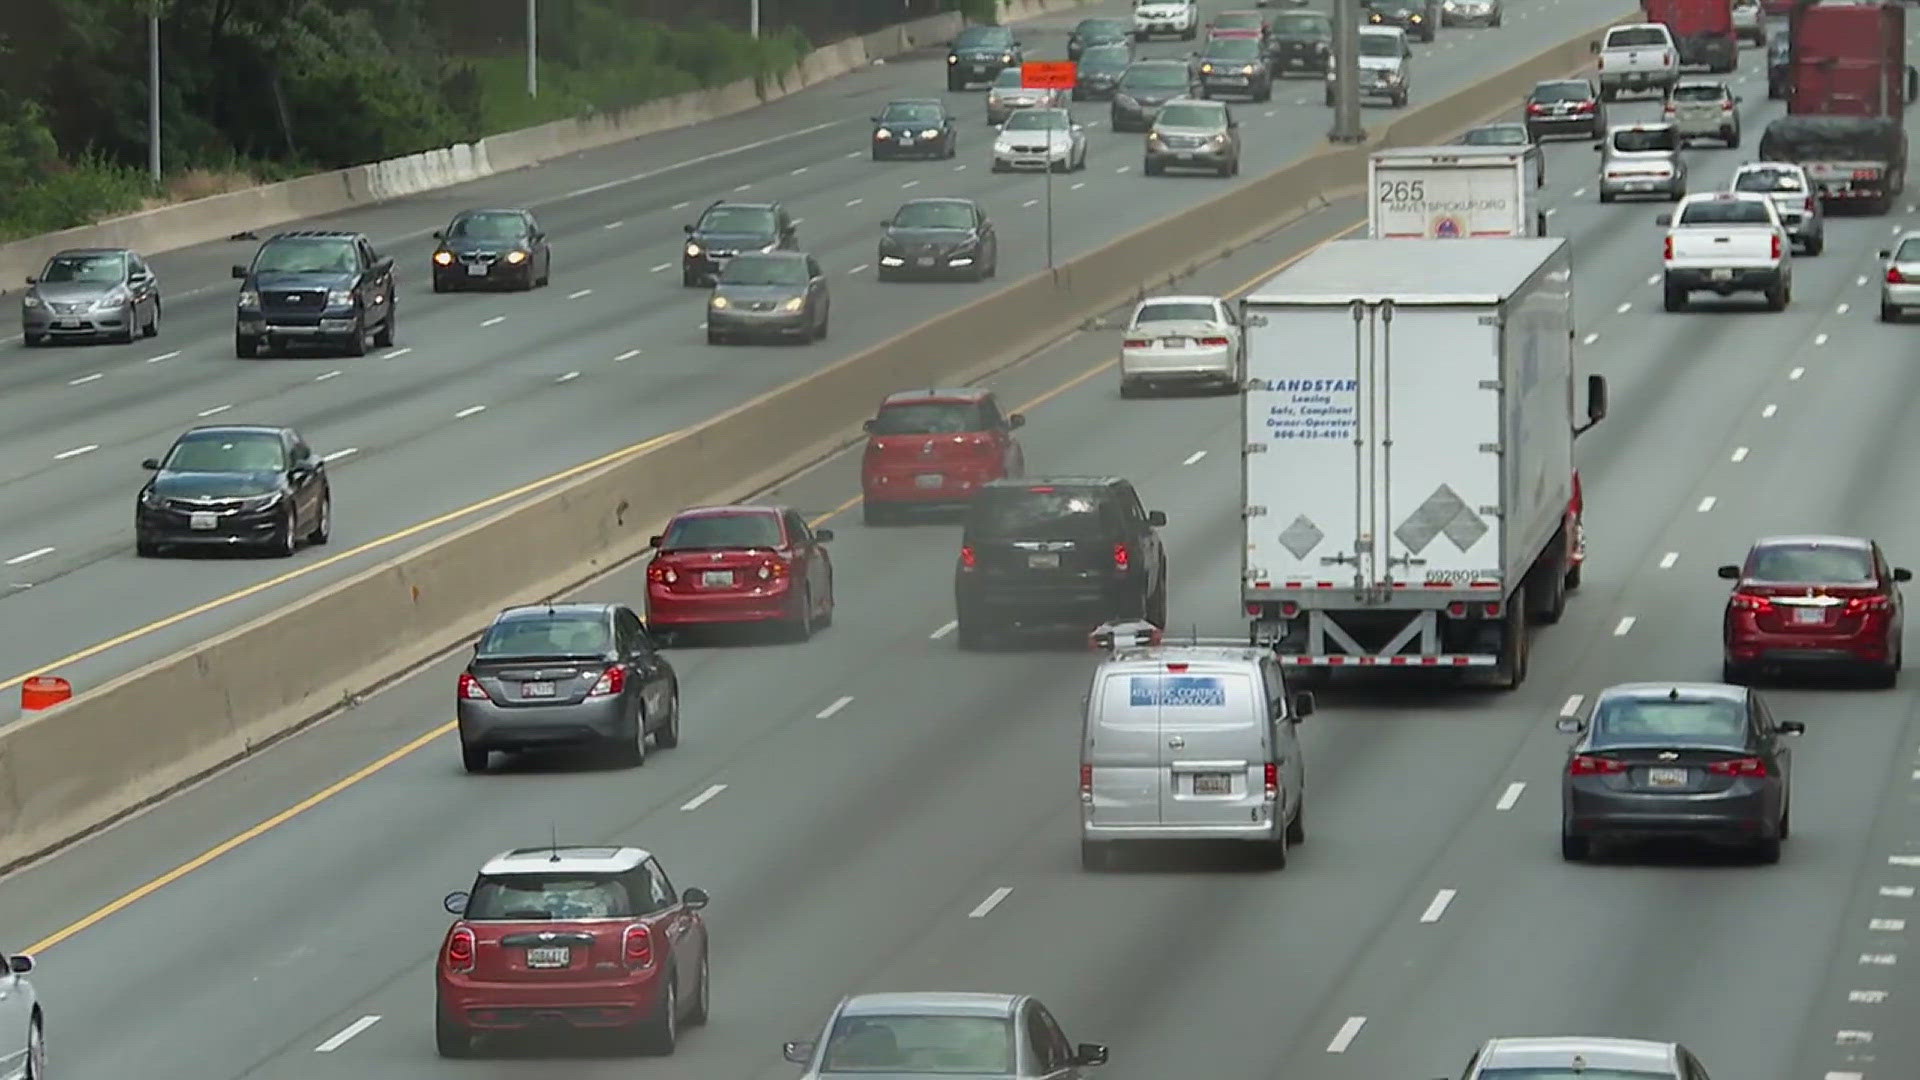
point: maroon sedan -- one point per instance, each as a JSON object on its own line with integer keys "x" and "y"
{"x": 1814, "y": 602}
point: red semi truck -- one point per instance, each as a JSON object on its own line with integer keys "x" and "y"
{"x": 1848, "y": 85}
{"x": 1703, "y": 29}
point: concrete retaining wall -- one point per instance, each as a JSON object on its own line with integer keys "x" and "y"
{"x": 65, "y": 771}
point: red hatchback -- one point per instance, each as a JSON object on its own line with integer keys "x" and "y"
{"x": 561, "y": 938}
{"x": 723, "y": 565}
{"x": 1811, "y": 602}
{"x": 928, "y": 448}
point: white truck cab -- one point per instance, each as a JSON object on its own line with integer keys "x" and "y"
{"x": 1637, "y": 57}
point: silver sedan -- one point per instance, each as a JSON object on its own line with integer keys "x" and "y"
{"x": 1180, "y": 339}
{"x": 1573, "y": 1057}
{"x": 91, "y": 294}
{"x": 1007, "y": 97}
{"x": 1900, "y": 278}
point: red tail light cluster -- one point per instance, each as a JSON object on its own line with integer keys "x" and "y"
{"x": 660, "y": 573}
{"x": 1895, "y": 277}
{"x": 1086, "y": 782}
{"x": 1588, "y": 765}
{"x": 1669, "y": 254}
{"x": 1746, "y": 766}
{"x": 636, "y": 946}
{"x": 1122, "y": 557}
{"x": 460, "y": 948}
{"x": 1671, "y": 108}
{"x": 1583, "y": 106}
{"x": 1861, "y": 605}
{"x": 1135, "y": 343}
{"x": 1666, "y": 58}
{"x": 1745, "y": 601}
{"x": 470, "y": 688}
{"x": 1534, "y": 108}
{"x": 611, "y": 682}
{"x": 1273, "y": 780}
{"x": 967, "y": 558}
{"x": 1214, "y": 342}
{"x": 774, "y": 568}
{"x": 1807, "y": 204}
{"x": 1726, "y": 106}
{"x": 1776, "y": 245}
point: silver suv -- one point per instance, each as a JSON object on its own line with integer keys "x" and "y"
{"x": 1193, "y": 134}
{"x": 1704, "y": 109}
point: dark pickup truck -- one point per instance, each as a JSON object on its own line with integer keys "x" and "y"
{"x": 314, "y": 289}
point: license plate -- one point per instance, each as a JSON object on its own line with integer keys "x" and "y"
{"x": 203, "y": 520}
{"x": 1721, "y": 275}
{"x": 1231, "y": 80}
{"x": 68, "y": 324}
{"x": 1213, "y": 783}
{"x": 1047, "y": 561}
{"x": 717, "y": 579}
{"x": 1640, "y": 185}
{"x": 536, "y": 689}
{"x": 1809, "y": 616}
{"x": 924, "y": 261}
{"x": 905, "y": 139}
{"x": 929, "y": 480}
{"x": 1666, "y": 778}
{"x": 1174, "y": 342}
{"x": 476, "y": 270}
{"x": 1186, "y": 155}
{"x": 552, "y": 956}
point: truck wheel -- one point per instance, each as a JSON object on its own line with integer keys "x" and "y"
{"x": 1676, "y": 298}
{"x": 1511, "y": 671}
{"x": 1550, "y": 586}
{"x": 1777, "y": 296}
{"x": 1816, "y": 243}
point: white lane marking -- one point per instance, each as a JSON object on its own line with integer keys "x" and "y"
{"x": 1844, "y": 1076}
{"x": 1123, "y": 168}
{"x": 1269, "y": 113}
{"x": 578, "y": 293}
{"x": 1883, "y": 959}
{"x": 1078, "y": 186}
{"x": 1580, "y": 193}
{"x": 1623, "y": 308}
{"x": 495, "y": 321}
{"x": 742, "y": 187}
{"x": 346, "y": 1033}
{"x": 680, "y": 206}
{"x": 628, "y": 355}
{"x": 215, "y": 411}
{"x": 661, "y": 267}
{"x": 702, "y": 326}
{"x": 1706, "y": 504}
{"x": 1552, "y": 210}
{"x": 1345, "y": 1036}
{"x": 1767, "y": 413}
{"x": 568, "y": 377}
{"x": 163, "y": 356}
{"x": 855, "y": 202}
{"x": 911, "y": 183}
{"x": 798, "y": 171}
{"x": 398, "y": 353}
{"x": 334, "y": 374}
{"x": 1510, "y": 796}
{"x": 1898, "y": 892}
{"x": 1653, "y": 279}
{"x": 703, "y": 798}
{"x": 76, "y": 451}
{"x": 945, "y": 629}
{"x": 992, "y": 901}
{"x": 1851, "y": 1037}
{"x": 1195, "y": 456}
{"x": 1887, "y": 926}
{"x": 1861, "y": 280}
{"x": 1625, "y": 624}
{"x": 84, "y": 379}
{"x": 1572, "y": 705}
{"x": 1739, "y": 454}
{"x": 862, "y": 268}
{"x": 1438, "y": 907}
{"x": 1794, "y": 375}
{"x": 1842, "y": 309}
{"x": 856, "y": 153}
{"x": 613, "y": 224}
{"x": 799, "y": 221}
{"x": 1819, "y": 339}
{"x": 1029, "y": 202}
{"x": 1590, "y": 339}
{"x": 469, "y": 411}
{"x": 1903, "y": 860}
{"x": 1667, "y": 560}
{"x": 29, "y": 556}
{"x": 1866, "y": 997}
{"x": 838, "y": 704}
{"x": 959, "y": 168}
{"x": 338, "y": 454}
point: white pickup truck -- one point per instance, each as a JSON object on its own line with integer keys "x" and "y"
{"x": 1727, "y": 242}
{"x": 1638, "y": 56}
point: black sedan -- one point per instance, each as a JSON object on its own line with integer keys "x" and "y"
{"x": 1565, "y": 107}
{"x": 493, "y": 248}
{"x": 1300, "y": 41}
{"x": 1099, "y": 70}
{"x": 1235, "y": 65}
{"x": 1703, "y": 761}
{"x": 919, "y": 127}
{"x": 1417, "y": 17}
{"x": 939, "y": 238}
{"x": 258, "y": 487}
{"x": 979, "y": 53}
{"x": 1091, "y": 32}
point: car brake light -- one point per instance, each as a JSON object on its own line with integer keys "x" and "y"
{"x": 460, "y": 950}
{"x": 1042, "y": 490}
{"x": 1742, "y": 601}
{"x": 1776, "y": 245}
{"x": 1086, "y": 782}
{"x": 1669, "y": 248}
{"x": 470, "y": 687}
{"x": 1895, "y": 277}
{"x": 773, "y": 568}
{"x": 1726, "y": 106}
{"x": 1671, "y": 108}
{"x": 661, "y": 572}
{"x": 1273, "y": 781}
{"x": 611, "y": 681}
{"x": 1583, "y": 106}
{"x": 1746, "y": 766}
{"x": 1535, "y": 108}
{"x": 1176, "y": 666}
{"x": 1666, "y": 58}
{"x": 1135, "y": 343}
{"x": 1587, "y": 765}
{"x": 636, "y": 946}
{"x": 966, "y": 557}
{"x": 1214, "y": 342}
{"x": 1860, "y": 604}
{"x": 1807, "y": 204}
{"x": 1122, "y": 558}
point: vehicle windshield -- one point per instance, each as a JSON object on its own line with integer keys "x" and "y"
{"x": 1396, "y": 7}
{"x": 1636, "y": 37}
{"x": 489, "y": 226}
{"x": 723, "y": 531}
{"x": 1548, "y": 93}
{"x": 1105, "y": 58}
{"x": 226, "y": 452}
{"x": 930, "y": 418}
{"x": 1245, "y": 48}
{"x": 1008, "y": 79}
{"x": 1038, "y": 120}
{"x": 983, "y": 37}
{"x": 1662, "y": 721}
{"x": 1908, "y": 251}
{"x": 306, "y": 255}
{"x": 1823, "y": 564}
{"x": 1302, "y": 25}
{"x": 87, "y": 269}
{"x": 540, "y": 633}
{"x": 738, "y": 219}
{"x": 1699, "y": 92}
{"x": 933, "y": 1045}
{"x": 1238, "y": 20}
{"x": 1764, "y": 180}
{"x": 1647, "y": 141}
{"x": 1192, "y": 116}
{"x": 1499, "y": 135}
{"x": 1379, "y": 45}
{"x": 549, "y": 898}
{"x": 1176, "y": 312}
{"x": 934, "y": 215}
{"x": 1155, "y": 76}
{"x": 915, "y": 113}
{"x": 1556, "y": 1073}
{"x": 1726, "y": 212}
{"x": 1035, "y": 514}
{"x": 1102, "y": 29}
{"x": 764, "y": 270}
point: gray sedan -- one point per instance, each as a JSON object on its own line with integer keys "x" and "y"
{"x": 91, "y": 294}
{"x": 944, "y": 1034}
{"x": 779, "y": 294}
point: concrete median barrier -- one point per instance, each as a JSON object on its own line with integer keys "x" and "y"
{"x": 70, "y": 768}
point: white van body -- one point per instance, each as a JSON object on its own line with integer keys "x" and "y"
{"x": 1175, "y": 746}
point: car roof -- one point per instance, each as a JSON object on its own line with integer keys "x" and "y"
{"x": 1176, "y": 300}
{"x": 564, "y": 859}
{"x": 1390, "y": 31}
{"x": 1638, "y": 1055}
{"x": 233, "y": 429}
{"x": 472, "y": 210}
{"x": 1651, "y": 125}
{"x": 1751, "y": 166}
{"x": 574, "y": 608}
{"x": 1544, "y": 83}
{"x": 1216, "y": 106}
{"x": 718, "y": 203}
{"x": 1699, "y": 80}
{"x": 1160, "y": 61}
{"x": 930, "y": 1002}
{"x": 785, "y": 256}
{"x": 1728, "y": 196}
{"x": 941, "y": 199}
{"x": 315, "y": 234}
{"x": 1645, "y": 691}
{"x": 1202, "y": 657}
{"x": 92, "y": 251}
{"x": 730, "y": 510}
{"x": 1854, "y": 543}
{"x": 1030, "y": 482}
{"x": 936, "y": 393}
{"x": 1637, "y": 26}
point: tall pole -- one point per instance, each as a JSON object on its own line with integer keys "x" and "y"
{"x": 153, "y": 92}
{"x": 753, "y": 17}
{"x": 1346, "y": 62}
{"x": 533, "y": 48}
{"x": 1050, "y": 200}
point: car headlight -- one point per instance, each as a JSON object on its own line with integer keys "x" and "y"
{"x": 1006, "y": 58}
{"x": 30, "y": 300}
{"x": 794, "y": 304}
{"x": 952, "y": 59}
{"x": 249, "y": 299}
{"x": 1414, "y": 18}
{"x": 443, "y": 258}
{"x": 339, "y": 297}
{"x": 261, "y": 502}
{"x": 1206, "y": 69}
{"x": 883, "y": 133}
{"x": 718, "y": 303}
{"x": 1218, "y": 140}
{"x": 110, "y": 301}
{"x": 152, "y": 498}
{"x": 1248, "y": 70}
{"x": 1153, "y": 138}
{"x": 930, "y": 133}
{"x": 516, "y": 257}
{"x": 693, "y": 250}
{"x": 1127, "y": 100}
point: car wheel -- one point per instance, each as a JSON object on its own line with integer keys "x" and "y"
{"x": 450, "y": 1038}
{"x": 357, "y": 344}
{"x": 820, "y": 332}
{"x": 441, "y": 284}
{"x": 954, "y": 86}
{"x": 1884, "y": 677}
{"x": 1575, "y": 848}
{"x": 1297, "y": 828}
{"x": 800, "y": 628}
{"x": 1155, "y": 608}
{"x": 1095, "y": 855}
{"x": 1777, "y": 296}
{"x": 1888, "y": 312}
{"x": 1150, "y": 167}
{"x": 1734, "y": 674}
{"x": 384, "y": 336}
{"x": 873, "y": 514}
{"x": 633, "y": 753}
{"x": 1816, "y": 243}
{"x": 474, "y": 758}
{"x": 285, "y": 539}
{"x": 663, "y": 1031}
{"x": 132, "y": 332}
{"x": 1606, "y": 196}
{"x": 145, "y": 548}
{"x": 1733, "y": 140}
{"x": 714, "y": 337}
{"x": 1786, "y": 820}
{"x": 972, "y": 634}
{"x": 152, "y": 328}
{"x": 1277, "y": 852}
{"x": 32, "y": 340}
{"x": 1573, "y": 577}
{"x": 1766, "y": 850}
{"x": 667, "y": 736}
{"x": 702, "y": 996}
{"x": 323, "y": 528}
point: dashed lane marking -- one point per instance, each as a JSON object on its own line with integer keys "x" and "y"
{"x": 838, "y": 704}
{"x": 578, "y": 293}
{"x": 1438, "y": 906}
{"x": 344, "y": 452}
{"x": 1572, "y": 704}
{"x": 1590, "y": 339}
{"x": 398, "y": 353}
{"x": 495, "y": 321}
{"x": 85, "y": 379}
{"x": 76, "y": 452}
{"x": 1706, "y": 504}
{"x": 1347, "y": 1033}
{"x": 628, "y": 355}
{"x": 1739, "y": 454}
{"x": 1794, "y": 375}
{"x": 346, "y": 1033}
{"x": 1510, "y": 796}
{"x": 568, "y": 377}
{"x": 215, "y": 411}
{"x": 324, "y": 376}
{"x": 1667, "y": 560}
{"x": 945, "y": 629}
{"x": 1625, "y": 624}
{"x": 163, "y": 356}
{"x": 985, "y": 907}
{"x": 1767, "y": 413}
{"x": 30, "y": 556}
{"x": 1194, "y": 457}
{"x": 703, "y": 798}
{"x": 469, "y": 411}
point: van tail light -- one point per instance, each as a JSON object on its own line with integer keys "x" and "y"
{"x": 1135, "y": 343}
{"x": 1895, "y": 277}
{"x": 1669, "y": 253}
{"x": 636, "y": 946}
{"x": 611, "y": 681}
{"x": 1086, "y": 782}
{"x": 1666, "y": 58}
{"x": 1122, "y": 558}
{"x": 1807, "y": 204}
{"x": 1745, "y": 766}
{"x": 1746, "y": 601}
{"x": 460, "y": 948}
{"x": 662, "y": 574}
{"x": 967, "y": 558}
{"x": 1587, "y": 765}
{"x": 1776, "y": 245}
{"x": 1214, "y": 342}
{"x": 1273, "y": 781}
{"x": 470, "y": 687}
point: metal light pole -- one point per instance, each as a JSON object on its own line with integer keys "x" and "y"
{"x": 1050, "y": 197}
{"x": 533, "y": 48}
{"x": 1346, "y": 62}
{"x": 153, "y": 91}
{"x": 753, "y": 17}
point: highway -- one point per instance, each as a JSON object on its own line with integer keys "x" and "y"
{"x": 854, "y": 803}
{"x": 488, "y": 393}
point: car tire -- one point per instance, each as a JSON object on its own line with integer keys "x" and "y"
{"x": 1575, "y": 848}
{"x": 1777, "y": 296}
{"x": 1155, "y": 608}
{"x": 1735, "y": 674}
{"x": 1786, "y": 820}
{"x": 1607, "y": 196}
{"x": 1674, "y": 298}
{"x": 820, "y": 332}
{"x": 132, "y": 332}
{"x": 1297, "y": 828}
{"x": 449, "y": 1038}
{"x": 357, "y": 344}
{"x": 954, "y": 86}
{"x": 800, "y": 627}
{"x": 702, "y": 1008}
{"x": 971, "y": 634}
{"x": 441, "y": 285}
{"x": 383, "y": 337}
{"x": 1676, "y": 194}
{"x": 1766, "y": 850}
{"x": 244, "y": 347}
{"x": 1130, "y": 388}
{"x": 1510, "y": 671}
{"x": 1733, "y": 140}
{"x": 715, "y": 337}
{"x": 667, "y": 736}
{"x": 323, "y": 528}
{"x": 1884, "y": 676}
{"x": 874, "y": 515}
{"x": 1573, "y": 577}
{"x": 33, "y": 341}
{"x": 1277, "y": 855}
{"x": 145, "y": 548}
{"x": 1150, "y": 168}
{"x": 473, "y": 758}
{"x": 152, "y": 328}
{"x": 286, "y": 540}
{"x": 1096, "y": 855}
{"x": 1815, "y": 244}
{"x": 1889, "y": 313}
{"x": 661, "y": 1032}
{"x": 632, "y": 753}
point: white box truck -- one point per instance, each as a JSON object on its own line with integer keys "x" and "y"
{"x": 1407, "y": 473}
{"x": 1455, "y": 192}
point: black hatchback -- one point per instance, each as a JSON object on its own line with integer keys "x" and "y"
{"x": 1062, "y": 551}
{"x": 1091, "y": 32}
{"x": 234, "y": 486}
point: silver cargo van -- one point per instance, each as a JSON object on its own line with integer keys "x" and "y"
{"x": 1191, "y": 742}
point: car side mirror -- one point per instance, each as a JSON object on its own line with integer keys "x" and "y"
{"x": 1599, "y": 148}
{"x": 439, "y": 234}
{"x": 1790, "y": 727}
{"x": 1664, "y": 221}
{"x": 654, "y": 542}
{"x": 1090, "y": 1054}
{"x": 456, "y": 903}
{"x": 1737, "y": 99}
{"x": 867, "y": 426}
{"x": 688, "y": 229}
{"x": 1570, "y": 725}
{"x": 240, "y": 272}
{"x": 20, "y": 964}
{"x": 1156, "y": 518}
{"x": 383, "y": 264}
{"x": 1303, "y": 705}
{"x": 1901, "y": 573}
{"x": 1593, "y": 47}
{"x": 695, "y": 899}
{"x": 151, "y": 464}
{"x": 33, "y": 279}
{"x": 1884, "y": 253}
{"x": 875, "y": 119}
{"x": 823, "y": 536}
{"x": 800, "y": 1053}
{"x": 1729, "y": 572}
{"x": 1016, "y": 420}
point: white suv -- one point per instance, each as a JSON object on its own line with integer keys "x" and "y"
{"x": 1157, "y": 18}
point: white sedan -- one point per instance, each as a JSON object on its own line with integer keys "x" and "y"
{"x": 1040, "y": 139}
{"x": 1185, "y": 339}
{"x": 23, "y": 1035}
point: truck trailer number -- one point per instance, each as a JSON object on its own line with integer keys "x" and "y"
{"x": 1403, "y": 191}
{"x": 1461, "y": 577}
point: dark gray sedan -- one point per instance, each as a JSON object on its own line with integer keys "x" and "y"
{"x": 939, "y": 238}
{"x": 91, "y": 294}
{"x": 932, "y": 1034}
{"x": 781, "y": 294}
{"x": 502, "y": 249}
{"x": 1701, "y": 761}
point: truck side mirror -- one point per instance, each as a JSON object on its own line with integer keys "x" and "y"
{"x": 1665, "y": 221}
{"x": 1593, "y": 47}
{"x": 1913, "y": 85}
{"x": 1596, "y": 400}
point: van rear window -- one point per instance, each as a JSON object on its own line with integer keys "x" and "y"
{"x": 1177, "y": 691}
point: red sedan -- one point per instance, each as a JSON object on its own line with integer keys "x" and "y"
{"x": 573, "y": 937}
{"x": 929, "y": 448}
{"x": 727, "y": 565}
{"x": 1814, "y": 602}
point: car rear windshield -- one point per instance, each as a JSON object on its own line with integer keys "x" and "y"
{"x": 1379, "y": 45}
{"x": 930, "y": 418}
{"x": 934, "y": 215}
{"x": 1104, "y": 29}
{"x": 549, "y": 898}
{"x": 1908, "y": 251}
{"x": 764, "y": 270}
{"x": 1238, "y": 20}
{"x": 1038, "y": 120}
{"x": 1155, "y": 76}
{"x": 1036, "y": 514}
{"x": 983, "y": 37}
{"x": 723, "y": 531}
{"x": 1726, "y": 212}
{"x": 1106, "y": 58}
{"x": 538, "y": 633}
{"x": 1176, "y": 311}
{"x": 92, "y": 269}
{"x": 1192, "y": 116}
{"x": 915, "y": 113}
{"x": 1303, "y": 25}
{"x": 942, "y": 1045}
{"x": 489, "y": 226}
{"x": 1008, "y": 79}
{"x": 1662, "y": 721}
{"x": 1638, "y": 37}
{"x": 1561, "y": 1073}
{"x": 1812, "y": 563}
{"x": 306, "y": 255}
{"x": 1245, "y": 48}
{"x": 1765, "y": 180}
{"x": 1496, "y": 136}
{"x": 1651, "y": 141}
{"x": 1699, "y": 92}
{"x": 1562, "y": 91}
{"x": 226, "y": 452}
{"x": 753, "y": 220}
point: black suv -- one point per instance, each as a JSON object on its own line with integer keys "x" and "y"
{"x": 978, "y": 54}
{"x": 1419, "y": 18}
{"x": 1054, "y": 551}
{"x": 726, "y": 229}
{"x": 314, "y": 287}
{"x": 1300, "y": 41}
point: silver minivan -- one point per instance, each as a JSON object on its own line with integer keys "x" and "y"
{"x": 1191, "y": 742}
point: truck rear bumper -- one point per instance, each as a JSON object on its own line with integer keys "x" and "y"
{"x": 1724, "y": 280}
